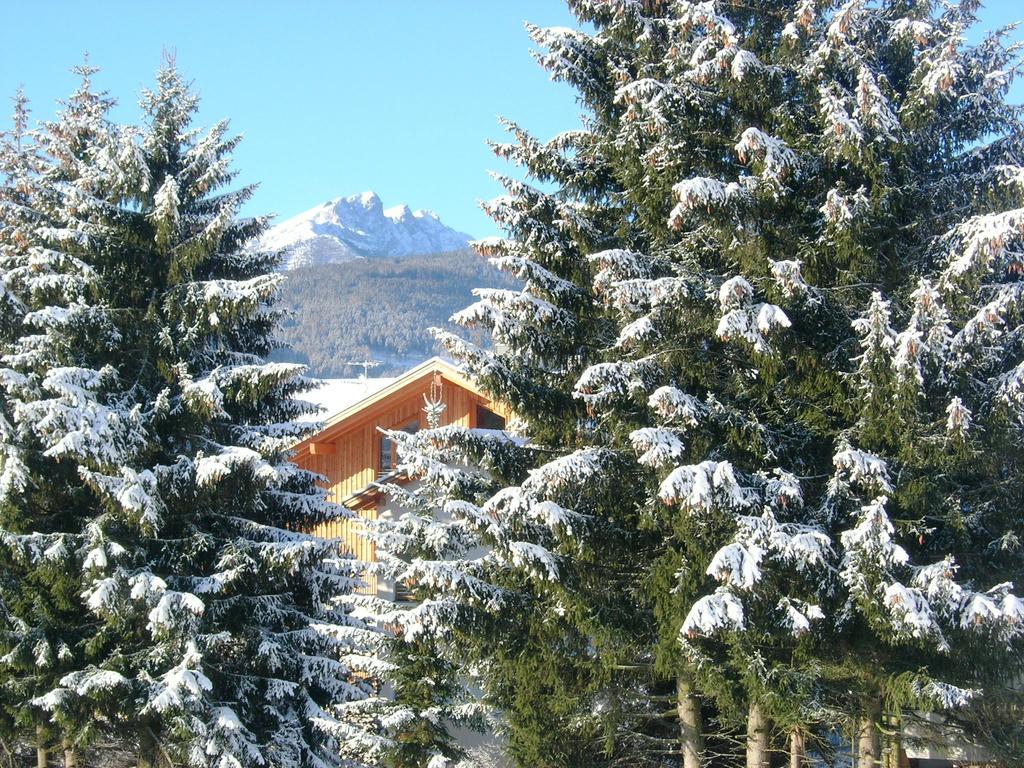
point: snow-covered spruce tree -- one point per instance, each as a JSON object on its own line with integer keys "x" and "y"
{"x": 428, "y": 696}
{"x": 813, "y": 371}
{"x": 426, "y": 692}
{"x": 573, "y": 668}
{"x": 43, "y": 503}
{"x": 494, "y": 600}
{"x": 778, "y": 369}
{"x": 225, "y": 636}
{"x": 16, "y": 167}
{"x": 605, "y": 566}
{"x": 475, "y": 608}
{"x": 583, "y": 679}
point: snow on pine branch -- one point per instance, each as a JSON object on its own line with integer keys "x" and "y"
{"x": 174, "y": 612}
{"x": 639, "y": 295}
{"x": 777, "y": 161}
{"x": 537, "y": 278}
{"x": 239, "y": 383}
{"x": 788, "y": 275}
{"x": 707, "y": 193}
{"x": 625, "y": 280}
{"x": 737, "y": 564}
{"x": 959, "y": 419}
{"x": 496, "y": 302}
{"x": 978, "y": 246}
{"x": 647, "y": 99}
{"x": 842, "y": 210}
{"x": 926, "y": 337}
{"x": 538, "y": 561}
{"x": 711, "y": 614}
{"x": 657, "y": 446}
{"x": 945, "y": 695}
{"x": 877, "y": 339}
{"x": 617, "y": 264}
{"x": 77, "y": 424}
{"x": 856, "y": 467}
{"x": 512, "y": 509}
{"x": 677, "y": 407}
{"x": 182, "y": 685}
{"x": 797, "y": 615}
{"x": 869, "y": 550}
{"x": 227, "y": 737}
{"x": 460, "y": 580}
{"x": 224, "y": 299}
{"x": 137, "y": 493}
{"x": 573, "y": 472}
{"x": 637, "y": 333}
{"x": 568, "y": 56}
{"x": 476, "y": 362}
{"x": 704, "y": 16}
{"x": 760, "y": 543}
{"x": 716, "y": 51}
{"x": 702, "y": 487}
{"x": 603, "y": 384}
{"x": 743, "y": 318}
{"x": 165, "y": 213}
{"x": 986, "y": 325}
{"x": 803, "y": 19}
{"x": 758, "y": 539}
{"x": 940, "y": 70}
{"x": 933, "y": 598}
{"x": 874, "y": 107}
{"x": 515, "y": 319}
{"x": 34, "y": 548}
{"x": 210, "y": 470}
{"x": 845, "y": 133}
{"x": 86, "y": 683}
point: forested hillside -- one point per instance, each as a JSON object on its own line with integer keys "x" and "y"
{"x": 377, "y": 309}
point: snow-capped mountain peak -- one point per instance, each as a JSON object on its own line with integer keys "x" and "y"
{"x": 358, "y": 226}
{"x": 399, "y": 212}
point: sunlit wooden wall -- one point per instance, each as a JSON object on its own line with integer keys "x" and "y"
{"x": 351, "y": 460}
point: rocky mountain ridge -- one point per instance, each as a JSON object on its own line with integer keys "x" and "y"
{"x": 359, "y": 227}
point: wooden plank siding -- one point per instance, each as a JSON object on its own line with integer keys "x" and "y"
{"x": 347, "y": 451}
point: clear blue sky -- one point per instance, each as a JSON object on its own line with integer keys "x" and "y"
{"x": 333, "y": 97}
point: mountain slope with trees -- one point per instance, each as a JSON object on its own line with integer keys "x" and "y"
{"x": 377, "y": 309}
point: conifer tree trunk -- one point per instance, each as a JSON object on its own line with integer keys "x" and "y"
{"x": 148, "y": 750}
{"x": 691, "y": 726}
{"x": 70, "y": 755}
{"x": 796, "y": 748}
{"x": 869, "y": 737}
{"x": 894, "y": 741}
{"x": 42, "y": 748}
{"x": 757, "y": 737}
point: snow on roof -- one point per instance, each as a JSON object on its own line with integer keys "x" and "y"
{"x": 335, "y": 395}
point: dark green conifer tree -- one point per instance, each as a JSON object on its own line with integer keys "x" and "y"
{"x": 768, "y": 358}
{"x": 222, "y": 635}
{"x": 44, "y": 502}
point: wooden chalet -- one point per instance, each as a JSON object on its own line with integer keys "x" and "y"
{"x": 353, "y": 455}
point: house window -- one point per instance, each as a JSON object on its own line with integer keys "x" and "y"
{"x": 488, "y": 419}
{"x": 389, "y": 450}
{"x": 403, "y": 592}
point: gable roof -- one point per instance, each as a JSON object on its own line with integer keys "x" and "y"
{"x": 337, "y": 423}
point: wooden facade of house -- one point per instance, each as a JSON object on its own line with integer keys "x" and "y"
{"x": 352, "y": 454}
